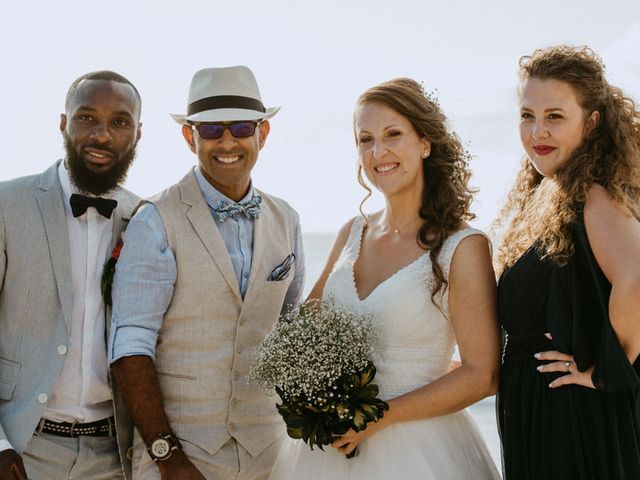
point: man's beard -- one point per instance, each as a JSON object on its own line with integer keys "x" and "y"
{"x": 96, "y": 183}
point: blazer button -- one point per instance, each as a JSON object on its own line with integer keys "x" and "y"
{"x": 236, "y": 376}
{"x": 62, "y": 349}
{"x": 239, "y": 349}
{"x": 232, "y": 427}
{"x": 42, "y": 398}
{"x": 235, "y": 402}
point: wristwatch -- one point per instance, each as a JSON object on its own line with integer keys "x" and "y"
{"x": 163, "y": 446}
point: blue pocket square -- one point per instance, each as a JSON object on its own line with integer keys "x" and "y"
{"x": 280, "y": 272}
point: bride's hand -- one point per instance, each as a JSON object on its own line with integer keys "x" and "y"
{"x": 349, "y": 441}
{"x": 562, "y": 362}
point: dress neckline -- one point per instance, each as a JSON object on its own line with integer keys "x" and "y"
{"x": 358, "y": 239}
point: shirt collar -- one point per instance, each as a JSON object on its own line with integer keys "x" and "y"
{"x": 212, "y": 195}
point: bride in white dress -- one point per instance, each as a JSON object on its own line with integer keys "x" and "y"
{"x": 426, "y": 278}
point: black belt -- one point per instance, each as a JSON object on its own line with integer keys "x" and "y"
{"x": 101, "y": 428}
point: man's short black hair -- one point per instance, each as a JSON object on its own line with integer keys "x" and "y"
{"x": 107, "y": 75}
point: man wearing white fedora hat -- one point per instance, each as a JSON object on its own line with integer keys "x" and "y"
{"x": 207, "y": 267}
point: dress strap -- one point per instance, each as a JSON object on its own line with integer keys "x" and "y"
{"x": 351, "y": 248}
{"x": 355, "y": 234}
{"x": 451, "y": 243}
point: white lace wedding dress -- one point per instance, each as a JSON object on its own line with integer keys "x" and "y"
{"x": 415, "y": 345}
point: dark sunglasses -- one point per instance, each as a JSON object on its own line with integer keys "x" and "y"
{"x": 213, "y": 131}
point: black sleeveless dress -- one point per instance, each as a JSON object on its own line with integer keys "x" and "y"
{"x": 571, "y": 432}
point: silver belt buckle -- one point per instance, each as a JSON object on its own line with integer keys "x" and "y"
{"x": 71, "y": 432}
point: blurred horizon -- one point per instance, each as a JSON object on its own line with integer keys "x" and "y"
{"x": 313, "y": 60}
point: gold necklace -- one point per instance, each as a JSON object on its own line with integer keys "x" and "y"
{"x": 397, "y": 230}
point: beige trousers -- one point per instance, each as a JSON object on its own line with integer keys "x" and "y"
{"x": 51, "y": 457}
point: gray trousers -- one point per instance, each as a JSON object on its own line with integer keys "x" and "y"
{"x": 51, "y": 457}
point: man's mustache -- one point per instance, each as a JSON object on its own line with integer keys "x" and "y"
{"x": 97, "y": 146}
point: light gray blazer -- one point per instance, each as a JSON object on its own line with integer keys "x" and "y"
{"x": 36, "y": 303}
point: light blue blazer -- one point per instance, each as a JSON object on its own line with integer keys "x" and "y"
{"x": 36, "y": 303}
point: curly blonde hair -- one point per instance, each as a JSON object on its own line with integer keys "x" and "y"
{"x": 541, "y": 209}
{"x": 446, "y": 197}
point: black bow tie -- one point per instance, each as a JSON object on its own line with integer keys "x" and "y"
{"x": 80, "y": 203}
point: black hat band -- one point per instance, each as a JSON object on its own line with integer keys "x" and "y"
{"x": 225, "y": 101}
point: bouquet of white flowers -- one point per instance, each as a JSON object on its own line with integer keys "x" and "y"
{"x": 318, "y": 360}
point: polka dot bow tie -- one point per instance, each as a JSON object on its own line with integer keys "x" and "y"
{"x": 251, "y": 208}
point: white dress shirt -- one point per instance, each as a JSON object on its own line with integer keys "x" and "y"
{"x": 83, "y": 393}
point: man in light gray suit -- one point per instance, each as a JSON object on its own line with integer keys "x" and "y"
{"x": 57, "y": 230}
{"x": 206, "y": 268}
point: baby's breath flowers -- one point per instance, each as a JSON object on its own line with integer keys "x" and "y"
{"x": 310, "y": 348}
{"x": 317, "y": 358}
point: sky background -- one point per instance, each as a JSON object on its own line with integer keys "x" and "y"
{"x": 311, "y": 58}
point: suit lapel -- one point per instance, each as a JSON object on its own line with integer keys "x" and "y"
{"x": 50, "y": 200}
{"x": 202, "y": 221}
{"x": 260, "y": 237}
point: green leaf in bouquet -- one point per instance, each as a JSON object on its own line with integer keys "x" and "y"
{"x": 368, "y": 411}
{"x": 342, "y": 410}
{"x": 368, "y": 392}
{"x": 359, "y": 420}
{"x": 295, "y": 425}
{"x": 364, "y": 405}
{"x": 295, "y": 431}
{"x": 315, "y": 426}
{"x": 309, "y": 433}
{"x": 374, "y": 408}
{"x": 318, "y": 435}
{"x": 366, "y": 376}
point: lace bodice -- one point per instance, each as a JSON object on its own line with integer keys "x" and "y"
{"x": 415, "y": 340}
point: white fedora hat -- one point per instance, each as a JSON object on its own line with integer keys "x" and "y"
{"x": 223, "y": 95}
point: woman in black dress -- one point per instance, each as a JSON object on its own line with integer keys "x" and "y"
{"x": 569, "y": 292}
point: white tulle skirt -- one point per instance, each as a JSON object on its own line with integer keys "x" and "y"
{"x": 447, "y": 447}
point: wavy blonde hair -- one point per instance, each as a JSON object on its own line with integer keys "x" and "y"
{"x": 446, "y": 197}
{"x": 540, "y": 210}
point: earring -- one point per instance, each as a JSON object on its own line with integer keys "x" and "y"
{"x": 366, "y": 197}
{"x": 425, "y": 155}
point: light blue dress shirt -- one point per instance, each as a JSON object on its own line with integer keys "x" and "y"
{"x": 146, "y": 272}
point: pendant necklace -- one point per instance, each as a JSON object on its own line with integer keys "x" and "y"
{"x": 397, "y": 230}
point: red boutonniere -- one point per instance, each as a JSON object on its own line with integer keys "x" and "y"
{"x": 108, "y": 272}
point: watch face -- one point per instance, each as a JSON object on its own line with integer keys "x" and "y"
{"x": 160, "y": 448}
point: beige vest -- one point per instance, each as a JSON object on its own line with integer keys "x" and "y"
{"x": 209, "y": 334}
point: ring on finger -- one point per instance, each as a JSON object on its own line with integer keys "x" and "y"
{"x": 567, "y": 366}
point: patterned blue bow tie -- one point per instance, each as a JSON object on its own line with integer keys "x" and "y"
{"x": 251, "y": 208}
